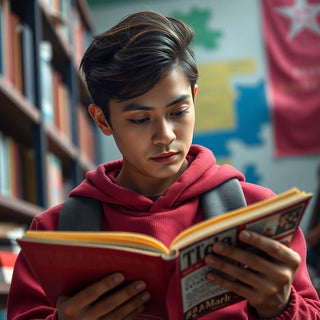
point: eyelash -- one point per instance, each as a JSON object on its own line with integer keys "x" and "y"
{"x": 138, "y": 121}
{"x": 178, "y": 113}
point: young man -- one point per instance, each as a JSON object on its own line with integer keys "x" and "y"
{"x": 142, "y": 78}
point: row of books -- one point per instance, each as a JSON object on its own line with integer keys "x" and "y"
{"x": 16, "y": 51}
{"x": 67, "y": 22}
{"x": 56, "y": 108}
{"x": 18, "y": 174}
{"x": 17, "y": 57}
{"x": 17, "y": 170}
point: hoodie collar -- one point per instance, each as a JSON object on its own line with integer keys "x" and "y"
{"x": 202, "y": 175}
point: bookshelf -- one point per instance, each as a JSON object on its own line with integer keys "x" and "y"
{"x": 44, "y": 125}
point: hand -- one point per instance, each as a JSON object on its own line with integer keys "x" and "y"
{"x": 264, "y": 282}
{"x": 122, "y": 303}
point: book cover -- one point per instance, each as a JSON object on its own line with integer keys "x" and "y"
{"x": 65, "y": 262}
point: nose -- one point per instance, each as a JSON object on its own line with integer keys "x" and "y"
{"x": 164, "y": 133}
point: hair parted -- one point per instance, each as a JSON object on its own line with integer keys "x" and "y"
{"x": 133, "y": 56}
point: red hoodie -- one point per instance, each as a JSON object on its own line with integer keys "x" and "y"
{"x": 175, "y": 210}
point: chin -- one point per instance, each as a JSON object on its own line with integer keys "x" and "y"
{"x": 173, "y": 172}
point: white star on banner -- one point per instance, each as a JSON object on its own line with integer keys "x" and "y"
{"x": 303, "y": 15}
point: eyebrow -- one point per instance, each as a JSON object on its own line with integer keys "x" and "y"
{"x": 137, "y": 106}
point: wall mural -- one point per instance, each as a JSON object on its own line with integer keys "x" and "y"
{"x": 225, "y": 111}
{"x": 233, "y": 103}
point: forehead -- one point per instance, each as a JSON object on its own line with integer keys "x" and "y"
{"x": 174, "y": 87}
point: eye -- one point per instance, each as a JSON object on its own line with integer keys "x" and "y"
{"x": 178, "y": 113}
{"x": 138, "y": 121}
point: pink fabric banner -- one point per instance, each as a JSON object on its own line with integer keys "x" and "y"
{"x": 292, "y": 37}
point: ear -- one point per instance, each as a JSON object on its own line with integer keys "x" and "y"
{"x": 195, "y": 90}
{"x": 98, "y": 117}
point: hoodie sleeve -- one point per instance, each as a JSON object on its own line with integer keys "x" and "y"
{"x": 26, "y": 298}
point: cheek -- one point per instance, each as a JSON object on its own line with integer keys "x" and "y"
{"x": 185, "y": 130}
{"x": 129, "y": 143}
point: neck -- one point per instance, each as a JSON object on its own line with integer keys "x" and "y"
{"x": 147, "y": 186}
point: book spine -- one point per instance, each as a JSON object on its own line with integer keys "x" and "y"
{"x": 2, "y": 164}
{"x": 28, "y": 63}
{"x": 46, "y": 81}
{"x": 55, "y": 180}
{"x": 1, "y": 37}
{"x": 29, "y": 177}
{"x": 16, "y": 51}
{"x": 5, "y": 167}
{"x": 5, "y": 27}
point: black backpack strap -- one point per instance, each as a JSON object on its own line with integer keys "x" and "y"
{"x": 80, "y": 214}
{"x": 223, "y": 198}
{"x": 84, "y": 214}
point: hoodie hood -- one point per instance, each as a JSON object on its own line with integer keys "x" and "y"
{"x": 202, "y": 175}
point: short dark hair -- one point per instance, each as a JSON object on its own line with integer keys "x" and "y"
{"x": 133, "y": 56}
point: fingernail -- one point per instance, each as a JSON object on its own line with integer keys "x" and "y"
{"x": 245, "y": 235}
{"x": 117, "y": 277}
{"x": 145, "y": 296}
{"x": 140, "y": 286}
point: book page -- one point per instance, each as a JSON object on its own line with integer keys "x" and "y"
{"x": 238, "y": 216}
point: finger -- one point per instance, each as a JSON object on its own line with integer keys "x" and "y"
{"x": 133, "y": 315}
{"x": 246, "y": 258}
{"x": 255, "y": 287}
{"x": 90, "y": 294}
{"x": 272, "y": 247}
{"x": 268, "y": 302}
{"x": 130, "y": 309}
{"x": 123, "y": 302}
{"x": 277, "y": 272}
{"x": 237, "y": 287}
{"x": 235, "y": 271}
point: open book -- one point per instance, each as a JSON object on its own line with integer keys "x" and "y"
{"x": 66, "y": 262}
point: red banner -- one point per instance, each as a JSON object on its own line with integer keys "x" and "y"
{"x": 292, "y": 36}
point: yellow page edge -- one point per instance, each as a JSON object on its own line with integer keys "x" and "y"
{"x": 121, "y": 238}
{"x": 236, "y": 212}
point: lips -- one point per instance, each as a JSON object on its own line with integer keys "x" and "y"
{"x": 166, "y": 156}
